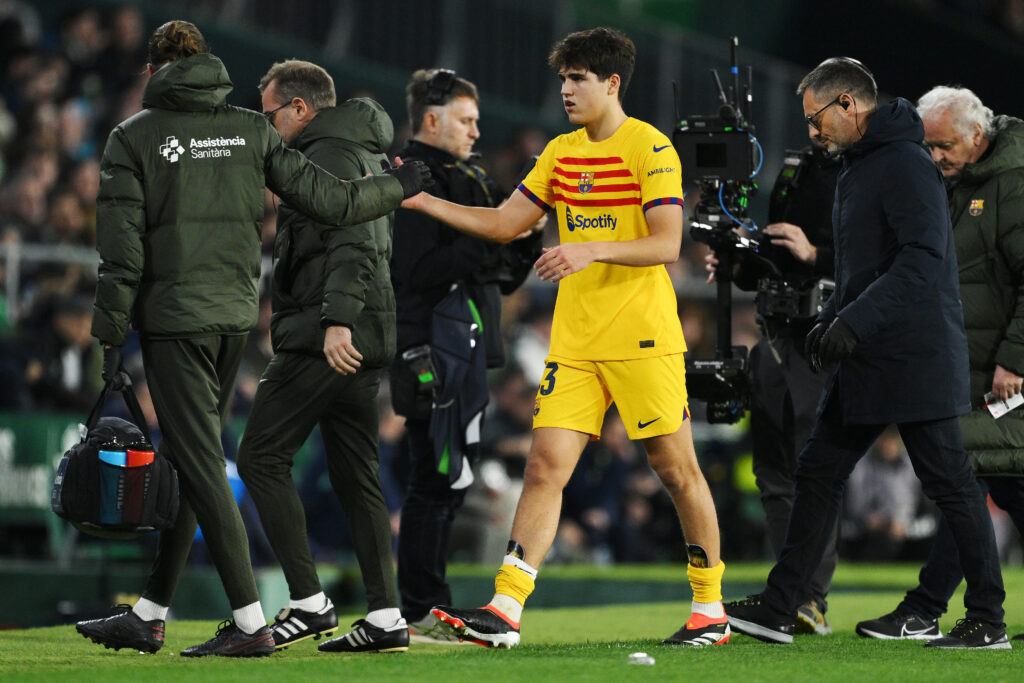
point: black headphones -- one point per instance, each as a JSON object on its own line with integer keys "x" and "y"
{"x": 856, "y": 64}
{"x": 439, "y": 86}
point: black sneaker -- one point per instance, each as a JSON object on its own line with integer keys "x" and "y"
{"x": 124, "y": 629}
{"x": 899, "y": 625}
{"x": 292, "y": 625}
{"x": 366, "y": 637}
{"x": 752, "y": 616}
{"x": 231, "y": 641}
{"x": 483, "y": 626}
{"x": 974, "y": 634}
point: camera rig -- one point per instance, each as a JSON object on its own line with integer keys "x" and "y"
{"x": 718, "y": 153}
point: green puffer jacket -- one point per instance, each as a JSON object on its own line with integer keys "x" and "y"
{"x": 337, "y": 277}
{"x": 181, "y": 201}
{"x": 987, "y": 207}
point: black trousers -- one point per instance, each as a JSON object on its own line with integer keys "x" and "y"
{"x": 191, "y": 382}
{"x": 295, "y": 393}
{"x": 427, "y": 515}
{"x": 937, "y": 453}
{"x": 941, "y": 574}
{"x": 785, "y": 401}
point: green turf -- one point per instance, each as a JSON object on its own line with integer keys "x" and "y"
{"x": 586, "y": 643}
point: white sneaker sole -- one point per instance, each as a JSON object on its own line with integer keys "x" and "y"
{"x": 760, "y": 632}
{"x": 868, "y": 633}
{"x": 500, "y": 640}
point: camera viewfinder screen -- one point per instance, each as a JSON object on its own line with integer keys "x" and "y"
{"x": 712, "y": 155}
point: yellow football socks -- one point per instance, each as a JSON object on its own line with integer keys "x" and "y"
{"x": 707, "y": 589}
{"x": 512, "y": 585}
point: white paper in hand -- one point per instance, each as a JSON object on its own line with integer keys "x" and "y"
{"x": 999, "y": 407}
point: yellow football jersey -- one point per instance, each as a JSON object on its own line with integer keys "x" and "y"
{"x": 600, "y": 191}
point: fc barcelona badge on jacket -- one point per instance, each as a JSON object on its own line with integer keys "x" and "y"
{"x": 586, "y": 181}
{"x": 976, "y": 207}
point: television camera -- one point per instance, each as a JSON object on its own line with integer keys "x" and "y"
{"x": 718, "y": 153}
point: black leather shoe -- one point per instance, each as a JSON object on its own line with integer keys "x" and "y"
{"x": 124, "y": 629}
{"x": 230, "y": 641}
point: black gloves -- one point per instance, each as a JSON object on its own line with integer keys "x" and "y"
{"x": 113, "y": 373}
{"x": 414, "y": 176}
{"x": 811, "y": 345}
{"x": 829, "y": 343}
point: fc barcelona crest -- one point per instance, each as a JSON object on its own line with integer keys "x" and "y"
{"x": 976, "y": 207}
{"x": 586, "y": 181}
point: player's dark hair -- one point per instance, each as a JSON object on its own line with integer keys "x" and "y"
{"x": 423, "y": 91}
{"x": 604, "y": 51}
{"x": 838, "y": 75}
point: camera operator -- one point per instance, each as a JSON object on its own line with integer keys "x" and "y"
{"x": 785, "y": 391}
{"x": 429, "y": 259}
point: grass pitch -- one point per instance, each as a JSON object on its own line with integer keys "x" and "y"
{"x": 578, "y": 643}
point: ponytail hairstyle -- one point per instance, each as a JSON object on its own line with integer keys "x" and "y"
{"x": 175, "y": 40}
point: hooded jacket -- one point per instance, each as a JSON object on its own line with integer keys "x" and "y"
{"x": 180, "y": 207}
{"x": 987, "y": 208}
{"x": 896, "y": 279}
{"x": 337, "y": 277}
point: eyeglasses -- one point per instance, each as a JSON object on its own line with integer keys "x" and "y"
{"x": 270, "y": 114}
{"x": 813, "y": 121}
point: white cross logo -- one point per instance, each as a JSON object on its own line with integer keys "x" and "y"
{"x": 171, "y": 149}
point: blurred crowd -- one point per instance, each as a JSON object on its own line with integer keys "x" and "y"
{"x": 64, "y": 87}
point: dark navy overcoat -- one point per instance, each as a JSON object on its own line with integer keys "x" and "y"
{"x": 896, "y": 279}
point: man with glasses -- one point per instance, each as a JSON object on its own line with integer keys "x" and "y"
{"x": 430, "y": 259}
{"x": 892, "y": 339}
{"x": 333, "y": 335}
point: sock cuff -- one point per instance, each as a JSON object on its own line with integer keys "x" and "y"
{"x": 706, "y": 582}
{"x": 519, "y": 564}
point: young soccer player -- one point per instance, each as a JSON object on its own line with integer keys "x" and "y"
{"x": 616, "y": 186}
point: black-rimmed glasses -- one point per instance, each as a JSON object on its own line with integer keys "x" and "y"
{"x": 813, "y": 121}
{"x": 270, "y": 114}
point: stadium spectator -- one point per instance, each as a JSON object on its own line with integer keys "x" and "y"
{"x": 881, "y": 502}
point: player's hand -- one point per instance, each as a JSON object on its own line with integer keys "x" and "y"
{"x": 1005, "y": 383}
{"x": 558, "y": 263}
{"x": 710, "y": 265}
{"x": 338, "y": 350}
{"x": 793, "y": 238}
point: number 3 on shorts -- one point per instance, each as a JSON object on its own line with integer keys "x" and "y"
{"x": 546, "y": 389}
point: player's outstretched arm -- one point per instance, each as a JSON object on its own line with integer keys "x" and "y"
{"x": 502, "y": 224}
{"x": 661, "y": 246}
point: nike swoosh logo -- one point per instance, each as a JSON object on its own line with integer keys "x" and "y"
{"x": 641, "y": 425}
{"x": 658, "y": 149}
{"x": 915, "y": 632}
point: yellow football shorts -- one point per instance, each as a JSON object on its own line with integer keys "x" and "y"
{"x": 650, "y": 394}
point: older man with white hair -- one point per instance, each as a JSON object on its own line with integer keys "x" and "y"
{"x": 981, "y": 158}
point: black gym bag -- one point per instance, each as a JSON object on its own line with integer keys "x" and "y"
{"x": 113, "y": 484}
